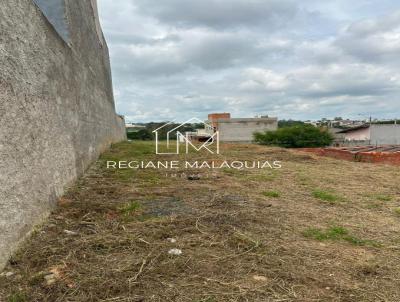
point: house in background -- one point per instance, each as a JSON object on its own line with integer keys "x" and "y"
{"x": 130, "y": 127}
{"x": 240, "y": 129}
{"x": 372, "y": 134}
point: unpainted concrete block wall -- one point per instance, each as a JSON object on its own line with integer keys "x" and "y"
{"x": 57, "y": 111}
{"x": 242, "y": 130}
{"x": 385, "y": 134}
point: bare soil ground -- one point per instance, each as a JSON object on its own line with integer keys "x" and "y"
{"x": 318, "y": 229}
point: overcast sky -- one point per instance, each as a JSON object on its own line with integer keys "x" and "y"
{"x": 176, "y": 59}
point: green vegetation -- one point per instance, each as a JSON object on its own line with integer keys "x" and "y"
{"x": 272, "y": 194}
{"x": 147, "y": 132}
{"x": 142, "y": 134}
{"x": 269, "y": 175}
{"x": 300, "y": 136}
{"x": 337, "y": 233}
{"x": 128, "y": 150}
{"x": 326, "y": 196}
{"x": 130, "y": 208}
{"x": 384, "y": 197}
{"x": 17, "y": 297}
{"x": 333, "y": 233}
{"x": 373, "y": 205}
{"x": 289, "y": 123}
{"x": 126, "y": 217}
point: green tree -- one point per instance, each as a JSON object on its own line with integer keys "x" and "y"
{"x": 301, "y": 136}
{"x": 142, "y": 134}
{"x": 289, "y": 123}
{"x": 162, "y": 133}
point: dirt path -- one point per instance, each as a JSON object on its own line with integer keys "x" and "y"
{"x": 318, "y": 229}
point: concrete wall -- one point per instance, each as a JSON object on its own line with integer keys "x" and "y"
{"x": 362, "y": 134}
{"x": 56, "y": 13}
{"x": 57, "y": 111}
{"x": 385, "y": 134}
{"x": 375, "y": 135}
{"x": 354, "y": 143}
{"x": 242, "y": 130}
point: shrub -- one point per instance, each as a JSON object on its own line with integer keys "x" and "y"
{"x": 142, "y": 134}
{"x": 300, "y": 136}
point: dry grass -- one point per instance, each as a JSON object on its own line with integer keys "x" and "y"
{"x": 244, "y": 235}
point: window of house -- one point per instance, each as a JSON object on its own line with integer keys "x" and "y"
{"x": 55, "y": 12}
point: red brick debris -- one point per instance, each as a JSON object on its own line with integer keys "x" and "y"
{"x": 389, "y": 154}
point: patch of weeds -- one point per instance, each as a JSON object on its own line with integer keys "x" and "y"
{"x": 17, "y": 297}
{"x": 272, "y": 194}
{"x": 238, "y": 173}
{"x": 337, "y": 233}
{"x": 150, "y": 179}
{"x": 384, "y": 197}
{"x": 361, "y": 242}
{"x": 369, "y": 269}
{"x": 244, "y": 242}
{"x": 147, "y": 217}
{"x": 397, "y": 211}
{"x": 124, "y": 150}
{"x": 373, "y": 205}
{"x": 326, "y": 196}
{"x": 230, "y": 171}
{"x": 379, "y": 197}
{"x": 208, "y": 299}
{"x": 123, "y": 175}
{"x": 166, "y": 206}
{"x": 130, "y": 208}
{"x": 333, "y": 233}
{"x": 303, "y": 179}
{"x": 269, "y": 175}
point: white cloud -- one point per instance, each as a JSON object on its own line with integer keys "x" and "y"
{"x": 174, "y": 59}
{"x": 373, "y": 40}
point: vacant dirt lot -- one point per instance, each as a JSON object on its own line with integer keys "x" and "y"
{"x": 317, "y": 229}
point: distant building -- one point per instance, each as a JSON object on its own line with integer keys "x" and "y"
{"x": 214, "y": 117}
{"x": 133, "y": 127}
{"x": 374, "y": 134}
{"x": 240, "y": 129}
